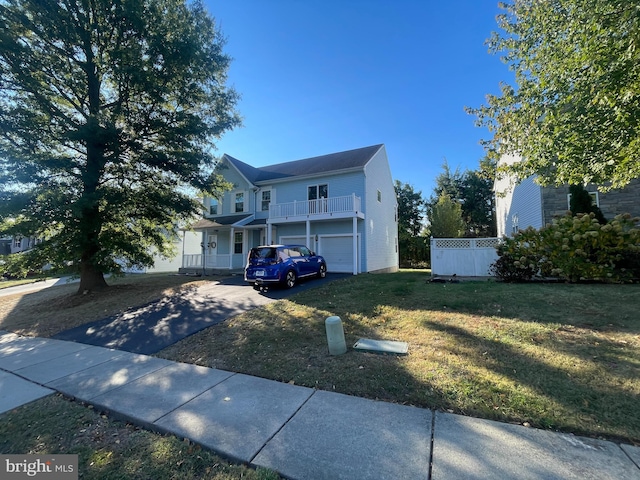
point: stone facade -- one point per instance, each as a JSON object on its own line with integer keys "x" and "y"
{"x": 555, "y": 201}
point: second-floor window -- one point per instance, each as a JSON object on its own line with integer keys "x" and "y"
{"x": 239, "y": 202}
{"x": 318, "y": 191}
{"x": 213, "y": 207}
{"x": 266, "y": 200}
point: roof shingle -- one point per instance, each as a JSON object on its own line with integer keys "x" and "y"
{"x": 357, "y": 158}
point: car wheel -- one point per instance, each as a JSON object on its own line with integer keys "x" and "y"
{"x": 323, "y": 271}
{"x": 290, "y": 279}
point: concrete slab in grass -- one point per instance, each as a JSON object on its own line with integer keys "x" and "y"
{"x": 381, "y": 346}
{"x": 633, "y": 452}
{"x": 46, "y": 351}
{"x": 59, "y": 367}
{"x": 336, "y": 436}
{"x": 238, "y": 416}
{"x": 471, "y": 448}
{"x": 107, "y": 376}
{"x": 16, "y": 391}
{"x": 150, "y": 397}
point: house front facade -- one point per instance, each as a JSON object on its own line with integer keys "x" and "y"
{"x": 527, "y": 204}
{"x": 341, "y": 205}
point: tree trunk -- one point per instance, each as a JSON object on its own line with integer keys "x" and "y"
{"x": 90, "y": 279}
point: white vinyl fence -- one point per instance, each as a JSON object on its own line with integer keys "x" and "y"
{"x": 464, "y": 257}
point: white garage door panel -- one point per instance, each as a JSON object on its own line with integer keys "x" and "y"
{"x": 338, "y": 252}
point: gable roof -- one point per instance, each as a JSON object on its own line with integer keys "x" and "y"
{"x": 332, "y": 162}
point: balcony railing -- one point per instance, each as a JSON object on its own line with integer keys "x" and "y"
{"x": 320, "y": 207}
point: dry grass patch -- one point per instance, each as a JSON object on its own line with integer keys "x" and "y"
{"x": 55, "y": 309}
{"x": 109, "y": 449}
{"x": 563, "y": 357}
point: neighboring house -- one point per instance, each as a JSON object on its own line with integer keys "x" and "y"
{"x": 528, "y": 204}
{"x": 342, "y": 206}
{"x": 187, "y": 241}
{"x": 5, "y": 245}
{"x": 21, "y": 244}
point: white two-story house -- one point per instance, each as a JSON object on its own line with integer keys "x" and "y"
{"x": 341, "y": 205}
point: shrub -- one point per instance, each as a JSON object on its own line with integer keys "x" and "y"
{"x": 573, "y": 249}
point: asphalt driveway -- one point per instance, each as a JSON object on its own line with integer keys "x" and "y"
{"x": 152, "y": 327}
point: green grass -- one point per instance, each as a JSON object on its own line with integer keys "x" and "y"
{"x": 15, "y": 283}
{"x": 556, "y": 356}
{"x": 109, "y": 449}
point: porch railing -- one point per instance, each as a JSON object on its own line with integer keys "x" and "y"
{"x": 211, "y": 261}
{"x": 321, "y": 206}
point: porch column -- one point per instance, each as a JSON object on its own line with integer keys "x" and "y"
{"x": 355, "y": 245}
{"x": 269, "y": 228}
{"x": 231, "y": 248}
{"x": 308, "y": 225}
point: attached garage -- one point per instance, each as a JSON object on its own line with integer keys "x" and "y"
{"x": 337, "y": 250}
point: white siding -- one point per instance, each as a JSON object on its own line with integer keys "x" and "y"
{"x": 517, "y": 206}
{"x": 379, "y": 250}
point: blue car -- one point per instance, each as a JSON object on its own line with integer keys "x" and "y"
{"x": 282, "y": 264}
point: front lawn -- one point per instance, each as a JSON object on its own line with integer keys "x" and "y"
{"x": 554, "y": 356}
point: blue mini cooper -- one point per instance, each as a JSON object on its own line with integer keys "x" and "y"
{"x": 282, "y": 264}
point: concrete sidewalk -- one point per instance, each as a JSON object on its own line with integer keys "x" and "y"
{"x": 300, "y": 432}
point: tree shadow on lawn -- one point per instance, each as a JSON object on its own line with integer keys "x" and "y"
{"x": 499, "y": 378}
{"x": 589, "y": 391}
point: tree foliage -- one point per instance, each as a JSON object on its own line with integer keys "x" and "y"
{"x": 108, "y": 110}
{"x": 446, "y": 218}
{"x": 413, "y": 245}
{"x": 473, "y": 190}
{"x": 581, "y": 202}
{"x": 573, "y": 115}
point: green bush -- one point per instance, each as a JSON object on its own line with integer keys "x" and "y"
{"x": 573, "y": 249}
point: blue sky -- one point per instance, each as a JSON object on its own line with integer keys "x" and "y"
{"x": 318, "y": 77}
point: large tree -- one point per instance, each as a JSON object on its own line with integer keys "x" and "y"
{"x": 108, "y": 111}
{"x": 574, "y": 113}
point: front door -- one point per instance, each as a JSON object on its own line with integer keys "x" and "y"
{"x": 211, "y": 250}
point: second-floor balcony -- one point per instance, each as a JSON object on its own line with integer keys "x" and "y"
{"x": 322, "y": 208}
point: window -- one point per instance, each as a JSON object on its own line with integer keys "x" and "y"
{"x": 514, "y": 224}
{"x": 266, "y": 200}
{"x": 240, "y": 202}
{"x": 17, "y": 242}
{"x": 237, "y": 242}
{"x": 213, "y": 206}
{"x": 595, "y": 200}
{"x": 379, "y": 196}
{"x": 318, "y": 191}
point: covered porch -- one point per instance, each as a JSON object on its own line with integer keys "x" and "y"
{"x": 224, "y": 245}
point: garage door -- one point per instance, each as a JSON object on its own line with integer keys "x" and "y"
{"x": 338, "y": 252}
